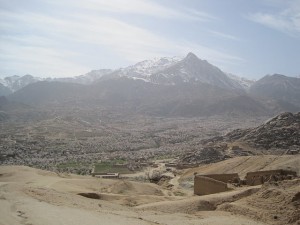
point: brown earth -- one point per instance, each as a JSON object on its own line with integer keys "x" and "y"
{"x": 274, "y": 203}
{"x": 32, "y": 196}
{"x": 245, "y": 164}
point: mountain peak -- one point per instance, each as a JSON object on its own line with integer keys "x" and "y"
{"x": 277, "y": 75}
{"x": 274, "y": 77}
{"x": 192, "y": 56}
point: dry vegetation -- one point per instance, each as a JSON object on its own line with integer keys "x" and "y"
{"x": 74, "y": 142}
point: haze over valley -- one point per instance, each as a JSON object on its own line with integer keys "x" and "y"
{"x": 149, "y": 112}
{"x": 168, "y": 110}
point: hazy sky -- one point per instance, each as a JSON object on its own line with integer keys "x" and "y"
{"x": 71, "y": 37}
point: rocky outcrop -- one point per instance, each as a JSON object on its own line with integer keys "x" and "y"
{"x": 278, "y": 135}
{"x": 208, "y": 154}
{"x": 282, "y": 131}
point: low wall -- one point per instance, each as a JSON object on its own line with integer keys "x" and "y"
{"x": 186, "y": 166}
{"x": 171, "y": 165}
{"x": 259, "y": 177}
{"x": 205, "y": 186}
{"x": 109, "y": 176}
{"x": 222, "y": 177}
{"x": 101, "y": 174}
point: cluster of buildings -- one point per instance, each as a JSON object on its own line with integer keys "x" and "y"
{"x": 205, "y": 184}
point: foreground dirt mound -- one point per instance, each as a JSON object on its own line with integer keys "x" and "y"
{"x": 274, "y": 203}
{"x": 198, "y": 203}
{"x": 30, "y": 196}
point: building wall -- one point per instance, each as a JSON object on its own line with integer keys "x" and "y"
{"x": 186, "y": 166}
{"x": 205, "y": 186}
{"x": 259, "y": 177}
{"x": 104, "y": 174}
{"x": 222, "y": 177}
{"x": 110, "y": 176}
{"x": 171, "y": 165}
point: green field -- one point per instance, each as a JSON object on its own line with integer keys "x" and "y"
{"x": 109, "y": 167}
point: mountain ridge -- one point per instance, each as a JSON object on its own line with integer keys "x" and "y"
{"x": 164, "y": 70}
{"x": 146, "y": 70}
{"x": 278, "y": 87}
{"x": 166, "y": 87}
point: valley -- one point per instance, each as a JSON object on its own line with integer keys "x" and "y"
{"x": 124, "y": 146}
{"x": 57, "y": 141}
{"x": 149, "y": 112}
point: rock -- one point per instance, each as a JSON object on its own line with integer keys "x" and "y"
{"x": 281, "y": 131}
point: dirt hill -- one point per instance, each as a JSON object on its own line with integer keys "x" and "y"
{"x": 277, "y": 136}
{"x": 245, "y": 164}
{"x": 32, "y": 196}
{"x": 281, "y": 131}
{"x": 275, "y": 203}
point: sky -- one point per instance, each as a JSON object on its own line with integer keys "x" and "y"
{"x": 61, "y": 38}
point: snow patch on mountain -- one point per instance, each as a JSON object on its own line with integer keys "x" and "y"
{"x": 147, "y": 67}
{"x": 246, "y": 83}
{"x": 15, "y": 82}
{"x": 163, "y": 71}
{"x": 87, "y": 78}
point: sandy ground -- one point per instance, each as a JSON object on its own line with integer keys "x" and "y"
{"x": 245, "y": 164}
{"x": 31, "y": 197}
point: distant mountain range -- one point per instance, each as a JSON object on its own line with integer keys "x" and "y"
{"x": 161, "y": 87}
{"x": 14, "y": 83}
{"x": 167, "y": 71}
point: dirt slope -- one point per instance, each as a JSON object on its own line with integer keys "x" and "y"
{"x": 31, "y": 196}
{"x": 275, "y": 203}
{"x": 245, "y": 164}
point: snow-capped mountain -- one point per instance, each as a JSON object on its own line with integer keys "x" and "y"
{"x": 141, "y": 70}
{"x": 172, "y": 71}
{"x": 15, "y": 82}
{"x": 177, "y": 87}
{"x": 163, "y": 71}
{"x": 144, "y": 69}
{"x": 87, "y": 78}
{"x": 148, "y": 67}
{"x": 192, "y": 69}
